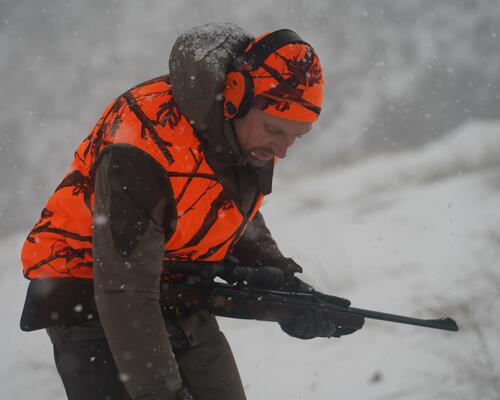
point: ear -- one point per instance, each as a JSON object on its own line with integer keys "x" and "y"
{"x": 238, "y": 93}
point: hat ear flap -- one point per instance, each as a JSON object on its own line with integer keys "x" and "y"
{"x": 238, "y": 94}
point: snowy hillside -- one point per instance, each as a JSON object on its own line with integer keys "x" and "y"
{"x": 414, "y": 233}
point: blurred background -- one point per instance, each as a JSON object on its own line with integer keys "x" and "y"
{"x": 404, "y": 165}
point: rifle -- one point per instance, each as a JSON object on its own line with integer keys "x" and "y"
{"x": 255, "y": 293}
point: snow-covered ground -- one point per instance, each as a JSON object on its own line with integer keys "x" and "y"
{"x": 415, "y": 233}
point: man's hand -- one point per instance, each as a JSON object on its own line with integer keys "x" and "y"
{"x": 312, "y": 323}
{"x": 297, "y": 285}
{"x": 309, "y": 324}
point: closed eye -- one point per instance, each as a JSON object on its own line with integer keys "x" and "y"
{"x": 272, "y": 130}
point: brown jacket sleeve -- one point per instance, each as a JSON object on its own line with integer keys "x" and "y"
{"x": 257, "y": 248}
{"x": 128, "y": 245}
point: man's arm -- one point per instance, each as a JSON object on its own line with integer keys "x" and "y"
{"x": 257, "y": 247}
{"x": 128, "y": 244}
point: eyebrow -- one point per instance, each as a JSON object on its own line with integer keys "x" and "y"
{"x": 278, "y": 130}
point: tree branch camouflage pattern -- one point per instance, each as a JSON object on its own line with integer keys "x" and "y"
{"x": 146, "y": 117}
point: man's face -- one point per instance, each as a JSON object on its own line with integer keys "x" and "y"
{"x": 263, "y": 136}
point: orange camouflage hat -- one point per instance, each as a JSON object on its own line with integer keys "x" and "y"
{"x": 285, "y": 72}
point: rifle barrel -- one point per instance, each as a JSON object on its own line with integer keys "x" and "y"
{"x": 305, "y": 300}
{"x": 446, "y": 324}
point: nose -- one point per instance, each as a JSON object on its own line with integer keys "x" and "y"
{"x": 281, "y": 146}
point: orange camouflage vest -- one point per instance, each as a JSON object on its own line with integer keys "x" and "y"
{"x": 146, "y": 117}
